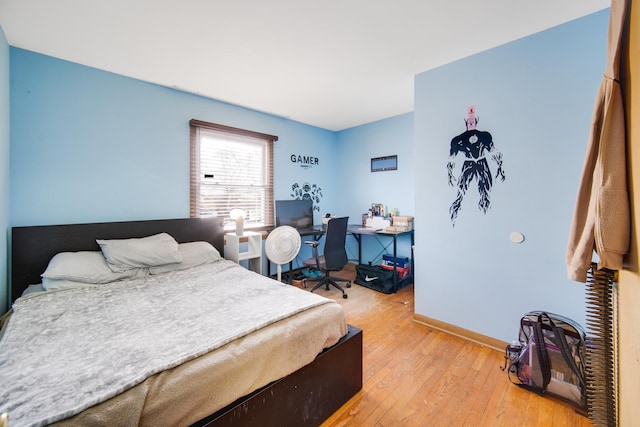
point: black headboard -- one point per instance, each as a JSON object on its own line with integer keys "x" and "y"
{"x": 33, "y": 247}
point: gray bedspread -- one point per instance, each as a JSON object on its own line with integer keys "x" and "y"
{"x": 65, "y": 351}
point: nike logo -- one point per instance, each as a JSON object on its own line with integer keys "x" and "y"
{"x": 369, "y": 279}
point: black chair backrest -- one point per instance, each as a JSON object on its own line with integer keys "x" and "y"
{"x": 335, "y": 254}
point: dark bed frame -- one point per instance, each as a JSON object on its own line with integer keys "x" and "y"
{"x": 305, "y": 398}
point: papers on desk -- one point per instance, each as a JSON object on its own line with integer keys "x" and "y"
{"x": 370, "y": 229}
{"x": 377, "y": 222}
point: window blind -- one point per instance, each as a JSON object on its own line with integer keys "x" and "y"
{"x": 231, "y": 168}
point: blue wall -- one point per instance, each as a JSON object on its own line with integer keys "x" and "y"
{"x": 361, "y": 187}
{"x": 4, "y": 164}
{"x": 88, "y": 145}
{"x": 535, "y": 96}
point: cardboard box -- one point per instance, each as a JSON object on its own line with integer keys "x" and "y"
{"x": 401, "y": 261}
{"x": 402, "y": 222}
{"x": 396, "y": 229}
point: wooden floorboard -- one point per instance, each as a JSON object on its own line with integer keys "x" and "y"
{"x": 414, "y": 375}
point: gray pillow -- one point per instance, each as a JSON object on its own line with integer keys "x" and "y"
{"x": 193, "y": 254}
{"x": 152, "y": 251}
{"x": 33, "y": 289}
{"x": 86, "y": 267}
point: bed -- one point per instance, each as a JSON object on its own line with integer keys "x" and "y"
{"x": 231, "y": 373}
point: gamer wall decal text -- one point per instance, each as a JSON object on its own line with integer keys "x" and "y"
{"x": 305, "y": 161}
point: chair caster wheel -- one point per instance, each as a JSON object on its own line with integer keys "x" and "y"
{"x": 345, "y": 296}
{"x": 349, "y": 285}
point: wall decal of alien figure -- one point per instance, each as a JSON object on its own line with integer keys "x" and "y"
{"x": 475, "y": 145}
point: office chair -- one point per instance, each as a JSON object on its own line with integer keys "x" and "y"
{"x": 334, "y": 257}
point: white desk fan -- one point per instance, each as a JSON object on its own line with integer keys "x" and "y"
{"x": 282, "y": 246}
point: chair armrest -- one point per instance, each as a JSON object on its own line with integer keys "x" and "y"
{"x": 314, "y": 247}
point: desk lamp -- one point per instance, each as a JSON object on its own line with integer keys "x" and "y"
{"x": 238, "y": 216}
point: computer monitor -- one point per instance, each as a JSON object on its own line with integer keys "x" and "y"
{"x": 296, "y": 213}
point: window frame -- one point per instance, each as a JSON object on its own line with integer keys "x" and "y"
{"x": 195, "y": 173}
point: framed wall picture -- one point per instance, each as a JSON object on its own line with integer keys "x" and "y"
{"x": 386, "y": 163}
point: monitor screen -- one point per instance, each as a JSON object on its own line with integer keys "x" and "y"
{"x": 296, "y": 213}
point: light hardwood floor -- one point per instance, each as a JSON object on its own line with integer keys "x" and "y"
{"x": 417, "y": 376}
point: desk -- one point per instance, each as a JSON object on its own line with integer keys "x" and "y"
{"x": 317, "y": 231}
{"x": 357, "y": 231}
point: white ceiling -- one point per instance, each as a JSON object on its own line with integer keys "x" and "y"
{"x": 330, "y": 63}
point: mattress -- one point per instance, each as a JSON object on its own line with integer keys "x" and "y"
{"x": 234, "y": 332}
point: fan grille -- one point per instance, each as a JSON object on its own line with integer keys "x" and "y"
{"x": 282, "y": 244}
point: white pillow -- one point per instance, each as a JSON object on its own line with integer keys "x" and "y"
{"x": 86, "y": 267}
{"x": 193, "y": 254}
{"x": 33, "y": 289}
{"x": 124, "y": 254}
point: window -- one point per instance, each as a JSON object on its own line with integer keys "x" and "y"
{"x": 231, "y": 168}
